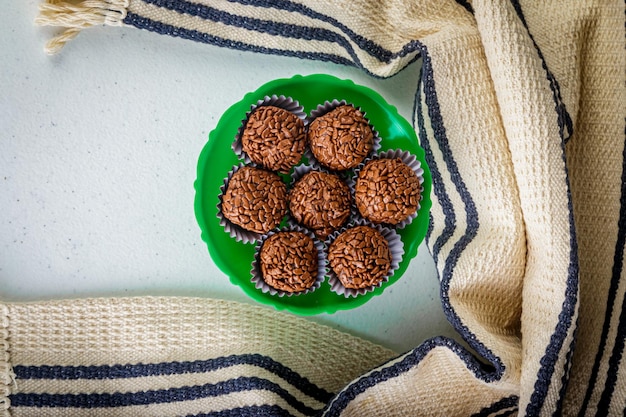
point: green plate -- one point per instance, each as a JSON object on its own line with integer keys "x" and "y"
{"x": 217, "y": 159}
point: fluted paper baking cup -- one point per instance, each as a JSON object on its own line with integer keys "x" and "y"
{"x": 327, "y": 107}
{"x": 300, "y": 171}
{"x": 396, "y": 250}
{"x": 257, "y": 275}
{"x": 235, "y": 231}
{"x": 285, "y": 103}
{"x": 408, "y": 159}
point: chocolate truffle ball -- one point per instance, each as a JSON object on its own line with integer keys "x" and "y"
{"x": 360, "y": 257}
{"x": 341, "y": 138}
{"x": 288, "y": 261}
{"x": 274, "y": 138}
{"x": 321, "y": 202}
{"x": 255, "y": 199}
{"x": 387, "y": 191}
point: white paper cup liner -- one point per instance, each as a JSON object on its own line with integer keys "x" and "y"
{"x": 396, "y": 249}
{"x": 235, "y": 231}
{"x": 285, "y": 103}
{"x": 327, "y": 107}
{"x": 257, "y": 276}
{"x": 407, "y": 158}
{"x": 300, "y": 171}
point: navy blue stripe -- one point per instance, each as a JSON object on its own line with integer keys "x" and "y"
{"x": 409, "y": 361}
{"x": 563, "y": 118}
{"x": 171, "y": 395}
{"x": 568, "y": 309}
{"x": 194, "y": 35}
{"x": 567, "y": 367}
{"x": 251, "y": 411}
{"x": 439, "y": 188}
{"x": 418, "y": 120}
{"x": 367, "y": 45}
{"x": 611, "y": 296}
{"x": 466, "y": 5}
{"x": 614, "y": 365}
{"x": 471, "y": 213}
{"x": 507, "y": 403}
{"x": 417, "y": 102}
{"x": 429, "y": 230}
{"x": 618, "y": 264}
{"x": 172, "y": 368}
{"x": 564, "y": 325}
{"x": 262, "y": 26}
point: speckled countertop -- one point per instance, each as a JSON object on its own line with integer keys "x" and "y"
{"x": 98, "y": 152}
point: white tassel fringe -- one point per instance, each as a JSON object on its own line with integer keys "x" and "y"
{"x": 75, "y": 17}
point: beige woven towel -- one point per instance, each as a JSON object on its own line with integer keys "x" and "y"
{"x": 521, "y": 108}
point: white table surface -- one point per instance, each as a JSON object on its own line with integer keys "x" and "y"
{"x": 98, "y": 152}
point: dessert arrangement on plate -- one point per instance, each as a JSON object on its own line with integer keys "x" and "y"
{"x": 342, "y": 170}
{"x": 322, "y": 211}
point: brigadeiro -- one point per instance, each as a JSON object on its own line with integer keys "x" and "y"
{"x": 253, "y": 201}
{"x": 362, "y": 257}
{"x": 273, "y": 134}
{"x": 388, "y": 188}
{"x": 318, "y": 200}
{"x": 288, "y": 262}
{"x": 340, "y": 137}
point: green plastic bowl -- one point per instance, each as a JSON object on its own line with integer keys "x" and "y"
{"x": 217, "y": 159}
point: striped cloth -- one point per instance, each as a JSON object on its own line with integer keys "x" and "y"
{"x": 521, "y": 109}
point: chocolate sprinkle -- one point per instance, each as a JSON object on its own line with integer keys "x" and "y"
{"x": 321, "y": 202}
{"x": 255, "y": 199}
{"x": 341, "y": 138}
{"x": 274, "y": 138}
{"x": 360, "y": 257}
{"x": 387, "y": 191}
{"x": 289, "y": 261}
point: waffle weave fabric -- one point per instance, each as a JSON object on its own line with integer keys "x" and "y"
{"x": 521, "y": 109}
